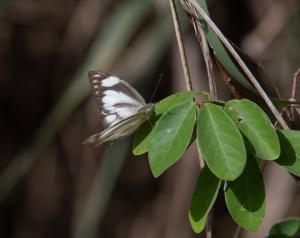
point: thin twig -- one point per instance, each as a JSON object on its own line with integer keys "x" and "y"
{"x": 294, "y": 85}
{"x": 227, "y": 79}
{"x": 185, "y": 67}
{"x": 251, "y": 77}
{"x": 209, "y": 65}
{"x": 237, "y": 232}
{"x": 276, "y": 123}
{"x": 267, "y": 79}
{"x": 263, "y": 164}
{"x": 200, "y": 158}
{"x": 274, "y": 87}
{"x": 206, "y": 53}
{"x": 208, "y": 227}
{"x": 213, "y": 94}
{"x": 293, "y": 93}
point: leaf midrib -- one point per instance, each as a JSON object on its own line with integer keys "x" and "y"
{"x": 171, "y": 144}
{"x": 256, "y": 133}
{"x": 217, "y": 138}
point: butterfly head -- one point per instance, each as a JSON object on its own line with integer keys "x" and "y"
{"x": 148, "y": 109}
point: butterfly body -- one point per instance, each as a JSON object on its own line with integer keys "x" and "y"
{"x": 121, "y": 108}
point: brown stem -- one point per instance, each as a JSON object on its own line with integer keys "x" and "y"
{"x": 237, "y": 232}
{"x": 294, "y": 85}
{"x": 208, "y": 227}
{"x": 185, "y": 67}
{"x": 241, "y": 63}
{"x": 293, "y": 94}
{"x": 206, "y": 55}
{"x": 227, "y": 79}
{"x": 268, "y": 80}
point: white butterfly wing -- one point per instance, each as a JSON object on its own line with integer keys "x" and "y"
{"x": 116, "y": 99}
{"x": 123, "y": 128}
{"x": 121, "y": 108}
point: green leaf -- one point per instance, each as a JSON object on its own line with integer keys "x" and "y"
{"x": 142, "y": 137}
{"x": 277, "y": 236}
{"x": 220, "y": 51}
{"x": 171, "y": 136}
{"x": 221, "y": 143}
{"x": 173, "y": 100}
{"x": 204, "y": 197}
{"x": 245, "y": 197}
{"x": 290, "y": 150}
{"x": 256, "y": 127}
{"x": 289, "y": 227}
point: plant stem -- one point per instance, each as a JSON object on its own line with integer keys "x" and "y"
{"x": 294, "y": 85}
{"x": 185, "y": 67}
{"x": 208, "y": 227}
{"x": 237, "y": 232}
{"x": 206, "y": 55}
{"x": 241, "y": 63}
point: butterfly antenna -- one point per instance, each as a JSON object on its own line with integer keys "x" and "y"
{"x": 156, "y": 87}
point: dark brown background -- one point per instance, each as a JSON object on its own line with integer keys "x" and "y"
{"x": 51, "y": 185}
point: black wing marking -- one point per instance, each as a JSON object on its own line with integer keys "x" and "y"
{"x": 122, "y": 109}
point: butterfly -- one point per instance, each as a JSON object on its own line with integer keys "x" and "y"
{"x": 121, "y": 108}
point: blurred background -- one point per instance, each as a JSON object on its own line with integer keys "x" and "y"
{"x": 50, "y": 184}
